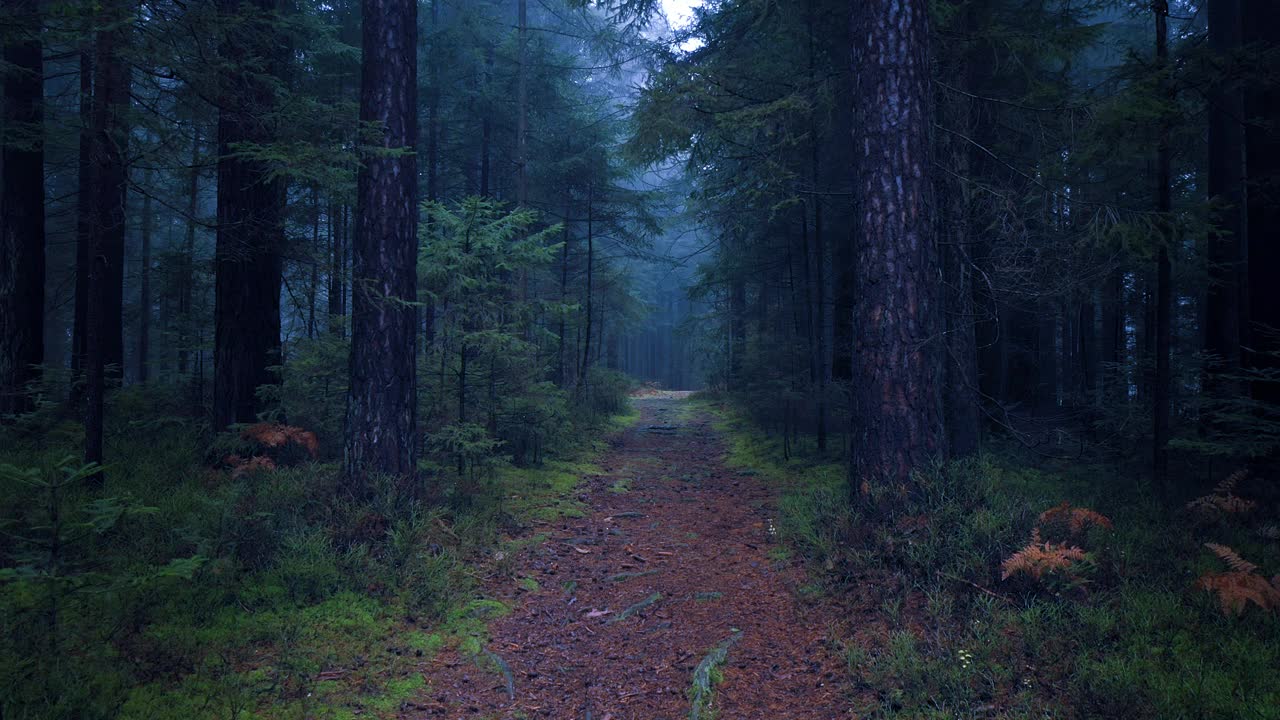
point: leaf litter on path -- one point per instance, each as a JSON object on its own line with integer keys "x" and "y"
{"x": 629, "y": 608}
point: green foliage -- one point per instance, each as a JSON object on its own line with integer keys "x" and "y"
{"x": 313, "y": 392}
{"x": 1136, "y": 641}
{"x": 174, "y": 590}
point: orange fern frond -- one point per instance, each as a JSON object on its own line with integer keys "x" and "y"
{"x": 1241, "y": 585}
{"x": 1074, "y": 519}
{"x": 1228, "y": 485}
{"x": 1235, "y": 590}
{"x": 241, "y": 466}
{"x": 1231, "y": 558}
{"x": 274, "y": 436}
{"x": 1223, "y": 500}
{"x": 1038, "y": 558}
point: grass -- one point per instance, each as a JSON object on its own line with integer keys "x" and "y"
{"x": 1133, "y": 639}
{"x": 180, "y": 592}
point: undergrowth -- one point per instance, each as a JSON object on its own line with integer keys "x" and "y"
{"x": 935, "y": 632}
{"x": 180, "y": 590}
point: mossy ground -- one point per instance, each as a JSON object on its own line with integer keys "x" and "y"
{"x": 293, "y": 601}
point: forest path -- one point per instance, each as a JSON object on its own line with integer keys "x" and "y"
{"x": 671, "y": 560}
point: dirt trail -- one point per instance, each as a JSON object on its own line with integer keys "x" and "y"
{"x": 666, "y": 519}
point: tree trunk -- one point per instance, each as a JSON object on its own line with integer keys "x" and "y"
{"x": 381, "y": 425}
{"x": 591, "y": 260}
{"x": 313, "y": 285}
{"x": 522, "y": 105}
{"x": 486, "y": 122}
{"x": 144, "y": 290}
{"x": 737, "y": 329}
{"x": 1112, "y": 384}
{"x": 1087, "y": 353}
{"x": 111, "y": 101}
{"x": 109, "y": 183}
{"x": 962, "y": 401}
{"x": 561, "y": 378}
{"x": 84, "y": 223}
{"x": 1262, "y": 108}
{"x": 22, "y": 240}
{"x": 1047, "y": 359}
{"x": 433, "y": 155}
{"x": 1227, "y": 234}
{"x": 337, "y": 271}
{"x": 819, "y": 249}
{"x": 1164, "y": 293}
{"x": 250, "y": 217}
{"x": 186, "y": 275}
{"x": 897, "y": 417}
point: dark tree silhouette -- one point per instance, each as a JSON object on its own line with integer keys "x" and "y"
{"x": 22, "y": 209}
{"x": 250, "y": 213}
{"x": 381, "y": 403}
{"x": 1224, "y": 329}
{"x": 897, "y": 415}
{"x": 104, "y": 340}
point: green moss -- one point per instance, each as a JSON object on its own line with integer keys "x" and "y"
{"x": 394, "y": 693}
{"x": 428, "y": 643}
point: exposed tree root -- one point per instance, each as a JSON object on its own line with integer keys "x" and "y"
{"x": 705, "y": 678}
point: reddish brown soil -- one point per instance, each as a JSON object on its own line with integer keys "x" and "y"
{"x": 704, "y": 530}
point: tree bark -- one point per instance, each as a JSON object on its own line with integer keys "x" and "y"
{"x": 737, "y": 329}
{"x": 897, "y": 415}
{"x": 562, "y": 378}
{"x": 250, "y": 216}
{"x": 1164, "y": 293}
{"x": 819, "y": 289}
{"x": 1262, "y": 137}
{"x": 381, "y": 424}
{"x": 111, "y": 101}
{"x": 522, "y": 105}
{"x": 337, "y": 271}
{"x": 591, "y": 259}
{"x": 314, "y": 284}
{"x": 1112, "y": 337}
{"x": 186, "y": 274}
{"x": 962, "y": 405}
{"x": 433, "y": 154}
{"x": 1224, "y": 330}
{"x": 109, "y": 184}
{"x": 144, "y": 289}
{"x": 1046, "y": 365}
{"x": 486, "y": 122}
{"x": 22, "y": 231}
{"x": 84, "y": 223}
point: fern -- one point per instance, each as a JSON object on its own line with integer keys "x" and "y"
{"x": 1074, "y": 519}
{"x": 241, "y": 466}
{"x": 1241, "y": 585}
{"x": 1228, "y": 485}
{"x": 271, "y": 435}
{"x": 1039, "y": 558}
{"x": 1231, "y": 558}
{"x": 1223, "y": 501}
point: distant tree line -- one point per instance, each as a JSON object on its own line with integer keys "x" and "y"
{"x": 958, "y": 223}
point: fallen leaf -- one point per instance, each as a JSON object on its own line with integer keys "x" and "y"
{"x": 582, "y": 550}
{"x": 597, "y": 613}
